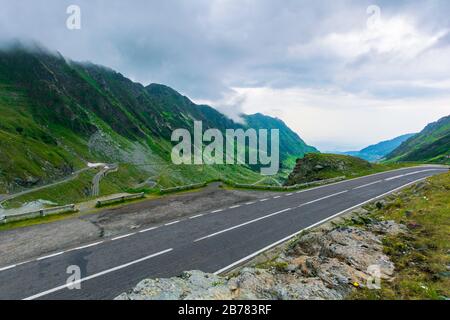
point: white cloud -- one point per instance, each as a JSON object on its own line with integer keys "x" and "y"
{"x": 315, "y": 64}
{"x": 335, "y": 120}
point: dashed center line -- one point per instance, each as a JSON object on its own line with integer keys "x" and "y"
{"x": 242, "y": 224}
{"x": 87, "y": 246}
{"x": 262, "y": 200}
{"x": 123, "y": 236}
{"x": 368, "y": 184}
{"x": 149, "y": 229}
{"x": 323, "y": 198}
{"x": 196, "y": 216}
{"x": 289, "y": 194}
{"x": 234, "y": 207}
{"x": 171, "y": 223}
{"x": 276, "y": 197}
{"x": 215, "y": 211}
{"x": 50, "y": 256}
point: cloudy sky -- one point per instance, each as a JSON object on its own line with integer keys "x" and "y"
{"x": 342, "y": 74}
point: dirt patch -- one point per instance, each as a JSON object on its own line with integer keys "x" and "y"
{"x": 25, "y": 243}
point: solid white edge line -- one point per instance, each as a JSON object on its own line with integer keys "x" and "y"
{"x": 96, "y": 275}
{"x": 236, "y": 263}
{"x": 241, "y": 225}
{"x": 8, "y": 267}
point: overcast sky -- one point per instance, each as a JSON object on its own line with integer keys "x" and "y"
{"x": 337, "y": 72}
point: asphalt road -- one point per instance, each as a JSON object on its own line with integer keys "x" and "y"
{"x": 210, "y": 241}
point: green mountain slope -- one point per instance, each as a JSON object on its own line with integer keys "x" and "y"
{"x": 378, "y": 151}
{"x": 57, "y": 115}
{"x": 432, "y": 144}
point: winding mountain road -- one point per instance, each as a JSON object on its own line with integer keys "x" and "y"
{"x": 212, "y": 241}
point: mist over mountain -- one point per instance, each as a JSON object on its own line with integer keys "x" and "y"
{"x": 58, "y": 114}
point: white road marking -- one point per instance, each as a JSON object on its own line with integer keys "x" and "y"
{"x": 50, "y": 256}
{"x": 215, "y": 211}
{"x": 276, "y": 197}
{"x": 149, "y": 229}
{"x": 196, "y": 216}
{"x": 242, "y": 224}
{"x": 262, "y": 200}
{"x": 323, "y": 198}
{"x": 123, "y": 236}
{"x": 249, "y": 203}
{"x": 171, "y": 223}
{"x": 8, "y": 267}
{"x": 408, "y": 174}
{"x": 86, "y": 246}
{"x": 393, "y": 178}
{"x": 370, "y": 175}
{"x": 289, "y": 194}
{"x": 368, "y": 184}
{"x": 270, "y": 246}
{"x": 44, "y": 293}
{"x": 234, "y": 207}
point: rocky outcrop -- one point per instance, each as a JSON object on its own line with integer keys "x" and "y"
{"x": 324, "y": 264}
{"x": 316, "y": 166}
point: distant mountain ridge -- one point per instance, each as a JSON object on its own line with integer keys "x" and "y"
{"x": 57, "y": 114}
{"x": 378, "y": 151}
{"x": 432, "y": 144}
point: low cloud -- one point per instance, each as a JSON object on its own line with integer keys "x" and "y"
{"x": 208, "y": 48}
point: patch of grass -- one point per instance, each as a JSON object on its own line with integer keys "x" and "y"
{"x": 34, "y": 221}
{"x": 421, "y": 256}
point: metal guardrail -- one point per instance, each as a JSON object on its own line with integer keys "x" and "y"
{"x": 252, "y": 186}
{"x": 101, "y": 203}
{"x": 38, "y": 213}
{"x": 285, "y": 188}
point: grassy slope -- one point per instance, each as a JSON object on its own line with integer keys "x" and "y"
{"x": 334, "y": 165}
{"x": 432, "y": 144}
{"x": 50, "y": 109}
{"x": 421, "y": 257}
